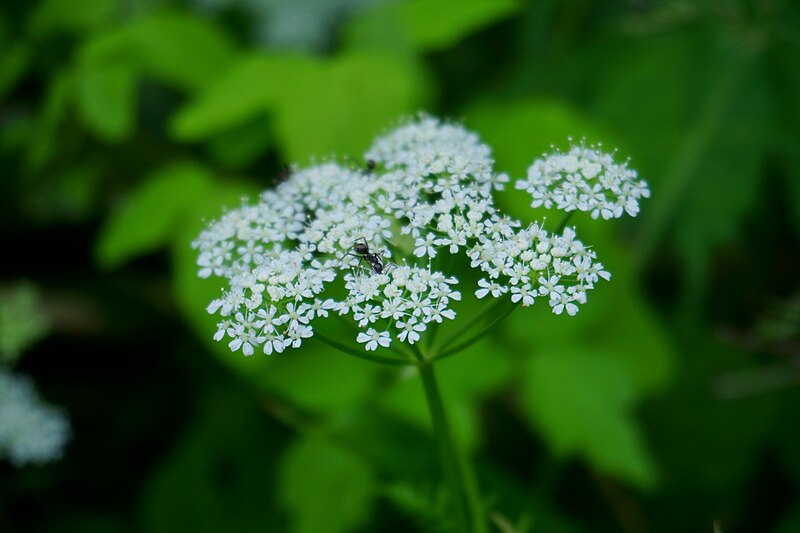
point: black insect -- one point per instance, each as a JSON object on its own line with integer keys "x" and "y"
{"x": 284, "y": 174}
{"x": 361, "y": 250}
{"x": 370, "y": 167}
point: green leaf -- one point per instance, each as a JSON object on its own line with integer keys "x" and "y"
{"x": 784, "y": 82}
{"x": 219, "y": 475}
{"x": 319, "y": 378}
{"x": 426, "y": 25}
{"x": 617, "y": 321}
{"x": 581, "y": 404}
{"x": 107, "y": 99}
{"x": 325, "y": 488}
{"x": 481, "y": 370}
{"x": 242, "y": 145}
{"x": 389, "y": 443}
{"x": 71, "y": 15}
{"x": 179, "y": 49}
{"x": 792, "y": 184}
{"x": 726, "y": 180}
{"x": 14, "y": 60}
{"x": 406, "y": 399}
{"x": 150, "y": 216}
{"x": 251, "y": 85}
{"x": 192, "y": 293}
{"x": 520, "y": 131}
{"x": 45, "y": 139}
{"x": 184, "y": 50}
{"x": 363, "y": 93}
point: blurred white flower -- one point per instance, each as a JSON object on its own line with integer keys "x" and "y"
{"x": 293, "y": 24}
{"x": 382, "y": 237}
{"x": 31, "y": 431}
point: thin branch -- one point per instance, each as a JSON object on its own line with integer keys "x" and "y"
{"x": 476, "y": 337}
{"x": 363, "y": 354}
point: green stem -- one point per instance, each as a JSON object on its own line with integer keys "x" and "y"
{"x": 361, "y": 354}
{"x": 563, "y": 223}
{"x": 476, "y": 337}
{"x": 458, "y": 474}
{"x": 445, "y": 266}
{"x": 496, "y": 310}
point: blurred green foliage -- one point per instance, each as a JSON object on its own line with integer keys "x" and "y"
{"x": 668, "y": 403}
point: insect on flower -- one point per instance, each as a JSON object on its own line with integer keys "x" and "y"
{"x": 433, "y": 183}
{"x": 362, "y": 251}
{"x": 284, "y": 174}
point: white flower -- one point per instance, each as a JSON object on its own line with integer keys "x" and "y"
{"x": 524, "y": 294}
{"x": 374, "y": 338}
{"x": 585, "y": 179}
{"x": 30, "y": 430}
{"x": 368, "y": 246}
{"x": 409, "y": 331}
{"x": 490, "y": 287}
{"x": 425, "y": 246}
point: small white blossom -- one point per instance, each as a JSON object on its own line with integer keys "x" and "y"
{"x": 409, "y": 331}
{"x": 31, "y": 431}
{"x": 374, "y": 338}
{"x": 371, "y": 246}
{"x": 584, "y": 179}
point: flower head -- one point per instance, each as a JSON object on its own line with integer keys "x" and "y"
{"x": 30, "y": 430}
{"x": 584, "y": 179}
{"x": 371, "y": 246}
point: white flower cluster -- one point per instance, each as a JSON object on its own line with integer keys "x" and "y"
{"x": 30, "y": 430}
{"x": 332, "y": 242}
{"x": 584, "y": 179}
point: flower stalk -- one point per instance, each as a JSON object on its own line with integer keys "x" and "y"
{"x": 458, "y": 475}
{"x": 376, "y": 250}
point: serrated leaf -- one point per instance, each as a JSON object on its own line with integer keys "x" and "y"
{"x": 106, "y": 97}
{"x": 149, "y": 218}
{"x": 581, "y": 405}
{"x": 325, "y": 488}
